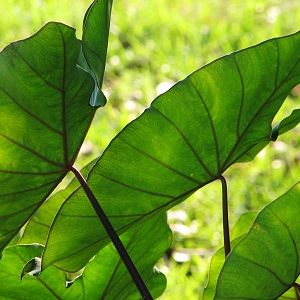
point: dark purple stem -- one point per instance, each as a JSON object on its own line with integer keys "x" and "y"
{"x": 136, "y": 277}
{"x": 225, "y": 216}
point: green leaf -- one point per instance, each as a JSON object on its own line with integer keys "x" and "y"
{"x": 94, "y": 48}
{"x": 38, "y": 226}
{"x": 241, "y": 227}
{"x": 44, "y": 119}
{"x": 49, "y": 285}
{"x": 243, "y": 224}
{"x": 292, "y": 294}
{"x": 45, "y": 114}
{"x": 104, "y": 277}
{"x": 111, "y": 280}
{"x": 265, "y": 263}
{"x": 187, "y": 138}
{"x": 286, "y": 124}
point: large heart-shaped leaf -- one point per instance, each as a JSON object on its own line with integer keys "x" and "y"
{"x": 265, "y": 263}
{"x": 105, "y": 277}
{"x": 44, "y": 117}
{"x": 186, "y": 139}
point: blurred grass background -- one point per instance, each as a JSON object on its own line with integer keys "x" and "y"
{"x": 152, "y": 45}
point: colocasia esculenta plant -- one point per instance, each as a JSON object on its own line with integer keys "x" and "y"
{"x": 109, "y": 224}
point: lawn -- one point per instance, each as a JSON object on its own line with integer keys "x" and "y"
{"x": 153, "y": 44}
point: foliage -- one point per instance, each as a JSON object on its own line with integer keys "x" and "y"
{"x": 270, "y": 250}
{"x": 185, "y": 140}
{"x": 187, "y": 146}
{"x": 98, "y": 281}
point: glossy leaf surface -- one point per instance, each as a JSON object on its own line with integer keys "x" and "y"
{"x": 265, "y": 263}
{"x": 188, "y": 137}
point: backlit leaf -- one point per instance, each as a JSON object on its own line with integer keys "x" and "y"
{"x": 187, "y": 138}
{"x": 49, "y": 285}
{"x": 265, "y": 263}
{"x": 45, "y": 115}
{"x": 241, "y": 227}
{"x": 38, "y": 226}
{"x": 104, "y": 277}
{"x": 44, "y": 118}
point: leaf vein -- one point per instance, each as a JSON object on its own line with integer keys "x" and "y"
{"x": 213, "y": 129}
{"x": 31, "y": 151}
{"x": 38, "y": 119}
{"x": 275, "y": 90}
{"x": 35, "y": 71}
{"x": 185, "y": 140}
{"x": 160, "y": 162}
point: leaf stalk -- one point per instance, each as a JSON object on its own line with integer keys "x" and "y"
{"x": 226, "y": 235}
{"x": 136, "y": 277}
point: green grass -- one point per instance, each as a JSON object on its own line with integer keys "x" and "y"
{"x": 154, "y": 42}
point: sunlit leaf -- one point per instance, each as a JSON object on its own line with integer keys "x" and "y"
{"x": 94, "y": 47}
{"x": 265, "y": 263}
{"x": 105, "y": 277}
{"x": 45, "y": 114}
{"x": 44, "y": 118}
{"x": 241, "y": 227}
{"x": 187, "y": 138}
{"x": 38, "y": 226}
{"x": 49, "y": 285}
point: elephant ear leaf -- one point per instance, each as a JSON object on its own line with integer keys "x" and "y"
{"x": 44, "y": 117}
{"x": 187, "y": 138}
{"x": 265, "y": 263}
{"x": 41, "y": 132}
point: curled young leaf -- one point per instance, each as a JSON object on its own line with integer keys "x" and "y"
{"x": 286, "y": 124}
{"x": 32, "y": 267}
